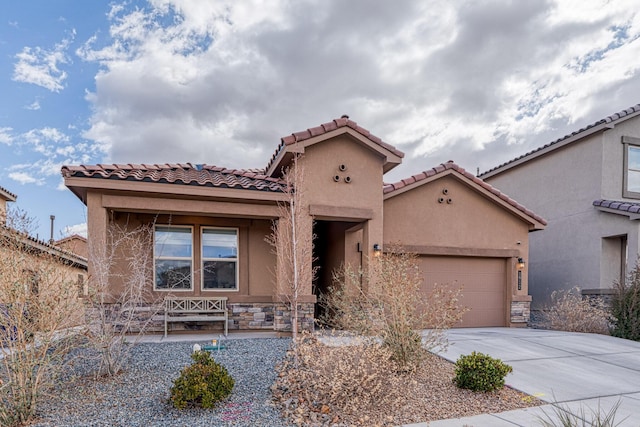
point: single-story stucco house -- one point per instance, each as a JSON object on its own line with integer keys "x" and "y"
{"x": 210, "y": 224}
{"x": 24, "y": 256}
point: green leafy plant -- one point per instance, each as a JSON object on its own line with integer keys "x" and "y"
{"x": 625, "y": 307}
{"x": 480, "y": 372}
{"x": 203, "y": 383}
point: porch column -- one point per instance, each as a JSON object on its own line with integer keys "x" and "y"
{"x": 372, "y": 234}
{"x": 97, "y": 222}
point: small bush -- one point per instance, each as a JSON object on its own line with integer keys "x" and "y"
{"x": 625, "y": 307}
{"x": 480, "y": 372}
{"x": 203, "y": 383}
{"x": 569, "y": 311}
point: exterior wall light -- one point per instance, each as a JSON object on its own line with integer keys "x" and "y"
{"x": 520, "y": 264}
{"x": 377, "y": 250}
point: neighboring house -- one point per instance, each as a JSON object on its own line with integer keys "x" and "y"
{"x": 75, "y": 244}
{"x": 587, "y": 185}
{"x": 22, "y": 255}
{"x": 210, "y": 224}
{"x": 5, "y": 196}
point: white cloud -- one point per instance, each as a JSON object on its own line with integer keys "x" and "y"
{"x": 5, "y": 135}
{"x": 221, "y": 82}
{"x": 79, "y": 229}
{"x": 40, "y": 66}
{"x": 35, "y": 105}
{"x": 25, "y": 178}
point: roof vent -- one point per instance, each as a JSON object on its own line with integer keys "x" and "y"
{"x": 199, "y": 167}
{"x": 344, "y": 116}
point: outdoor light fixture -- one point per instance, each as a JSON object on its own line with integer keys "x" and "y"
{"x": 377, "y": 249}
{"x": 520, "y": 266}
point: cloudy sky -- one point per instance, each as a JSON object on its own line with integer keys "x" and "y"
{"x": 219, "y": 82}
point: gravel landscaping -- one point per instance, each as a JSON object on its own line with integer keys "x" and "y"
{"x": 140, "y": 395}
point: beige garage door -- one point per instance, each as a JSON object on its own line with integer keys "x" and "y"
{"x": 484, "y": 285}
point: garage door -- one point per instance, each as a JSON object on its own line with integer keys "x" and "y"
{"x": 484, "y": 285}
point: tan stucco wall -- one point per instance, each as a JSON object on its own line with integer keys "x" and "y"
{"x": 353, "y": 194}
{"x": 255, "y": 257}
{"x": 471, "y": 225}
{"x": 53, "y": 276}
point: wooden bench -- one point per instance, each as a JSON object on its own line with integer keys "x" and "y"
{"x": 196, "y": 309}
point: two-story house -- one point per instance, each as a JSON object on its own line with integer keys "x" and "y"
{"x": 587, "y": 186}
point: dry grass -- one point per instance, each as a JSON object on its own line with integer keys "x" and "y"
{"x": 360, "y": 385}
{"x": 570, "y": 311}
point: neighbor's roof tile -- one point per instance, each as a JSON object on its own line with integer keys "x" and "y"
{"x": 8, "y": 195}
{"x": 389, "y": 188}
{"x": 183, "y": 173}
{"x": 622, "y": 206}
{"x": 607, "y": 120}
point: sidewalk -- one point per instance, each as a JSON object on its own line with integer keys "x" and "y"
{"x": 583, "y": 373}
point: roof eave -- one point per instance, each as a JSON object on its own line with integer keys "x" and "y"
{"x": 534, "y": 223}
{"x": 80, "y": 185}
{"x": 542, "y": 152}
{"x": 391, "y": 159}
{"x": 631, "y": 215}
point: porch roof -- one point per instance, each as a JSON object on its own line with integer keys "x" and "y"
{"x": 180, "y": 174}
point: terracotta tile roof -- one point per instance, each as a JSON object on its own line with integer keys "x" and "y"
{"x": 328, "y": 127}
{"x": 609, "y": 120}
{"x": 40, "y": 245}
{"x": 389, "y": 188}
{"x": 8, "y": 195}
{"x": 180, "y": 173}
{"x": 616, "y": 205}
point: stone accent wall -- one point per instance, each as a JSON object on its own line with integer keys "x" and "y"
{"x": 250, "y": 316}
{"x": 242, "y": 316}
{"x": 520, "y": 311}
{"x": 147, "y": 317}
{"x": 596, "y": 295}
{"x": 282, "y": 317}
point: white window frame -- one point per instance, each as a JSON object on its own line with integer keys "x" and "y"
{"x": 160, "y": 257}
{"x": 236, "y": 259}
{"x": 629, "y": 142}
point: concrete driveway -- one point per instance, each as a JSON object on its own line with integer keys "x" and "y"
{"x": 581, "y": 372}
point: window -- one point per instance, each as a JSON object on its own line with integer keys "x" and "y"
{"x": 173, "y": 256}
{"x": 631, "y": 167}
{"x": 219, "y": 259}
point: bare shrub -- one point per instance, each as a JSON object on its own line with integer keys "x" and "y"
{"x": 391, "y": 305}
{"x": 120, "y": 300}
{"x": 570, "y": 311}
{"x": 336, "y": 384}
{"x": 38, "y": 308}
{"x": 347, "y": 380}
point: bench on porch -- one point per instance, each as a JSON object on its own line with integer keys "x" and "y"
{"x": 196, "y": 309}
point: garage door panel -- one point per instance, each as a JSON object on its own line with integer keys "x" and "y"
{"x": 483, "y": 281}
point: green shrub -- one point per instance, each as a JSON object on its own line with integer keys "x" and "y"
{"x": 625, "y": 307}
{"x": 480, "y": 372}
{"x": 203, "y": 383}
